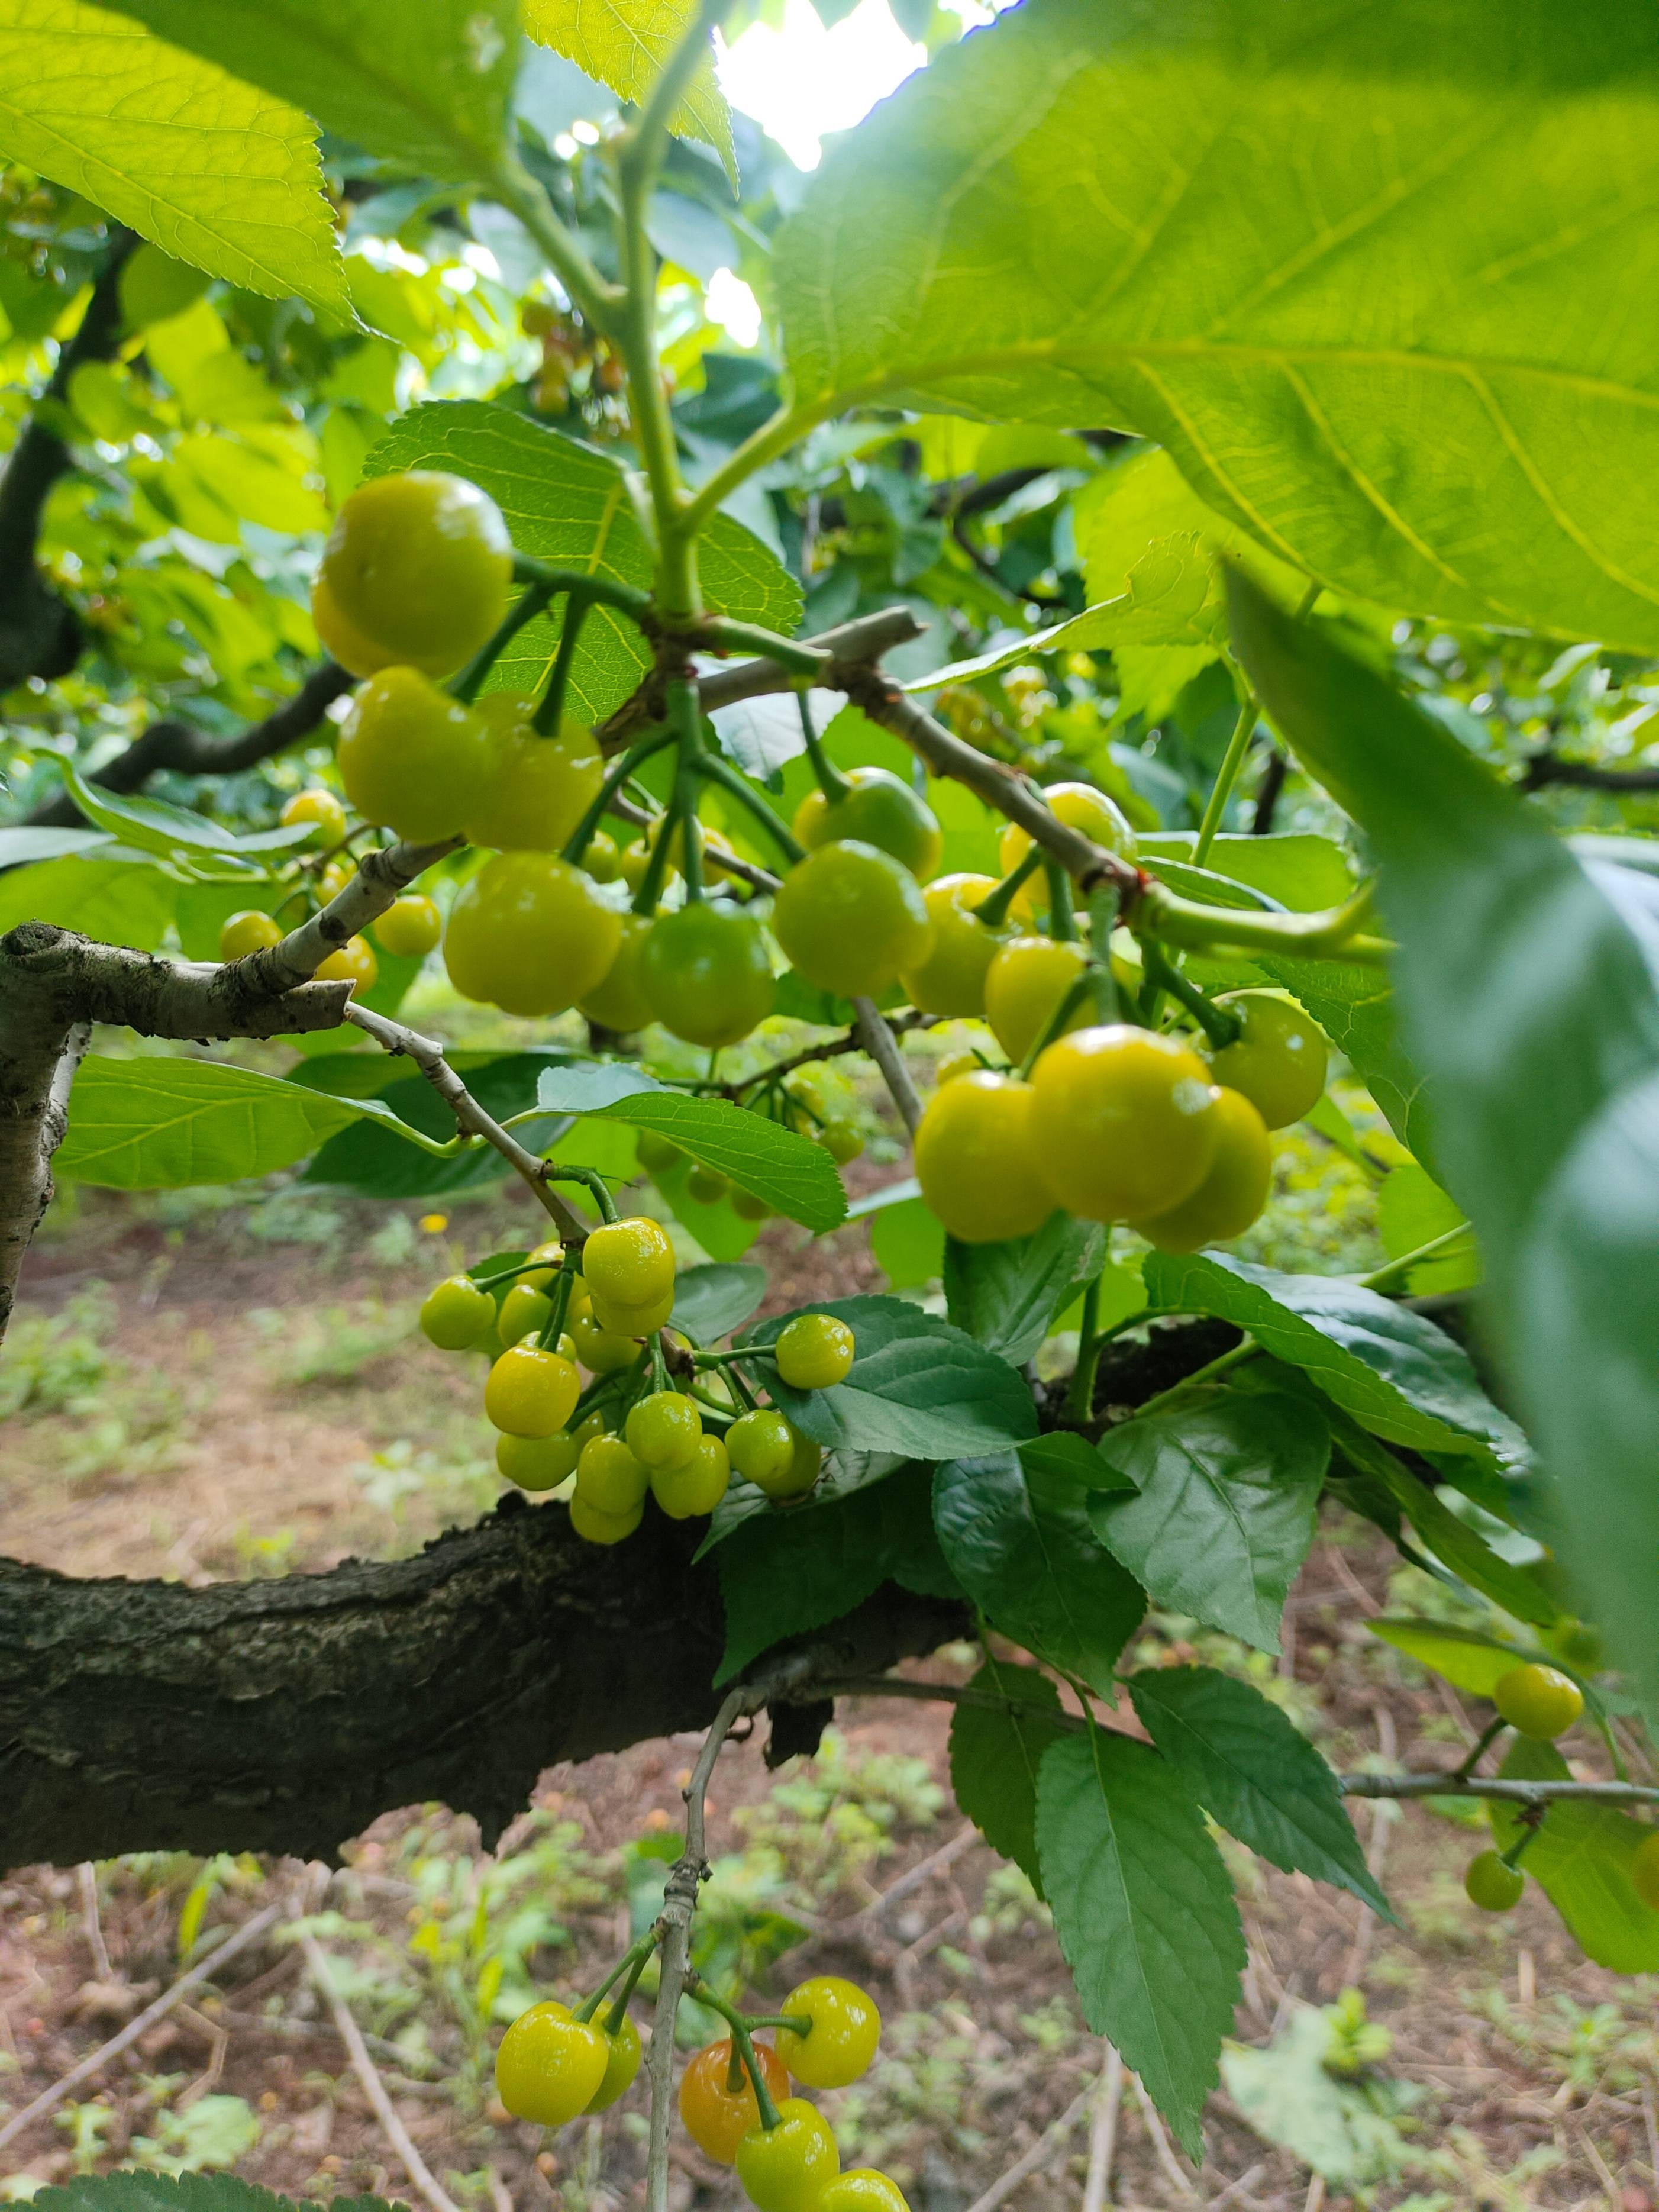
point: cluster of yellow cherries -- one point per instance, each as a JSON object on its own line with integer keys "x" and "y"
{"x": 735, "y": 2097}
{"x": 636, "y": 1440}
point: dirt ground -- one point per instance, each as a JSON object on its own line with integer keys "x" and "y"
{"x": 236, "y": 1391}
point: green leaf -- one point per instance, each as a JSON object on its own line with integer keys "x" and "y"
{"x": 427, "y": 87}
{"x": 22, "y": 845}
{"x": 1289, "y": 2097}
{"x": 1457, "y": 1546}
{"x": 117, "y": 901}
{"x": 908, "y": 1243}
{"x": 1581, "y": 1859}
{"x": 1125, "y": 507}
{"x": 1254, "y": 1772}
{"x": 625, "y": 47}
{"x": 995, "y": 1757}
{"x": 1018, "y": 1540}
{"x": 568, "y": 504}
{"x": 129, "y": 2190}
{"x": 1412, "y": 218}
{"x": 1144, "y": 1915}
{"x": 916, "y": 1386}
{"x": 1004, "y": 1296}
{"x": 154, "y": 825}
{"x": 94, "y": 102}
{"x": 1547, "y": 1107}
{"x": 785, "y": 1572}
{"x": 795, "y": 1177}
{"x": 1355, "y": 1008}
{"x": 1304, "y": 873}
{"x": 711, "y": 1301}
{"x": 1224, "y": 1514}
{"x": 374, "y": 1158}
{"x": 1062, "y": 1451}
{"x": 1393, "y": 1370}
{"x": 1412, "y": 1210}
{"x": 158, "y": 1124}
{"x": 1466, "y": 1659}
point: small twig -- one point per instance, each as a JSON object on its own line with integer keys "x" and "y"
{"x": 428, "y": 1057}
{"x": 249, "y": 1932}
{"x": 934, "y": 1863}
{"x": 1048, "y": 2141}
{"x": 87, "y": 1874}
{"x": 1383, "y": 1817}
{"x": 373, "y": 2088}
{"x": 1102, "y": 2132}
{"x": 1166, "y": 2157}
{"x": 879, "y": 1042}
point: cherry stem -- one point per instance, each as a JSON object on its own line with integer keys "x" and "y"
{"x": 553, "y": 1329}
{"x": 697, "y": 1987}
{"x": 582, "y": 837}
{"x": 631, "y": 1963}
{"x": 531, "y": 602}
{"x": 1489, "y": 1735}
{"x": 832, "y": 782}
{"x": 722, "y": 772}
{"x": 550, "y": 713}
{"x": 1080, "y": 1397}
{"x": 992, "y": 908}
{"x": 1062, "y": 916}
{"x": 1219, "y": 1026}
{"x": 592, "y": 1180}
{"x": 1082, "y": 987}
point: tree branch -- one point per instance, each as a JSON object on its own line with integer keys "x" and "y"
{"x": 40, "y": 634}
{"x": 1546, "y": 768}
{"x": 146, "y": 1715}
{"x": 190, "y": 751}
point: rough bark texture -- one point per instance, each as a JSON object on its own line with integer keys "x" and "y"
{"x": 284, "y": 1716}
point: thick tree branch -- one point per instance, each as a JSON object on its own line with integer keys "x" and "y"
{"x": 1546, "y": 768}
{"x": 190, "y": 751}
{"x": 39, "y": 634}
{"x": 286, "y": 1715}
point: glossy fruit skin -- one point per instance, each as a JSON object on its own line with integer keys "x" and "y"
{"x": 1279, "y": 1063}
{"x": 549, "y": 2066}
{"x": 1541, "y": 1702}
{"x": 551, "y": 1253}
{"x": 629, "y": 1262}
{"x": 340, "y": 642}
{"x": 1234, "y": 1190}
{"x": 1023, "y": 987}
{"x": 353, "y": 963}
{"x": 634, "y": 1321}
{"x": 600, "y": 1350}
{"x": 951, "y": 979}
{"x": 849, "y": 918}
{"x": 657, "y": 1155}
{"x": 846, "y": 2028}
{"x": 718, "y": 2119}
{"x": 609, "y": 1479}
{"x": 707, "y": 1185}
{"x": 455, "y": 1313}
{"x": 788, "y": 2168}
{"x": 250, "y": 930}
{"x": 1123, "y": 1122}
{"x": 1644, "y": 1870}
{"x": 621, "y": 2067}
{"x": 596, "y": 1527}
{"x": 530, "y": 1393}
{"x": 954, "y": 1064}
{"x": 841, "y": 1138}
{"x": 975, "y": 1159}
{"x": 1492, "y": 1886}
{"x": 1081, "y": 807}
{"x": 663, "y": 1428}
{"x": 525, "y": 1312}
{"x": 602, "y": 860}
{"x": 411, "y": 757}
{"x": 529, "y": 934}
{"x": 879, "y": 809}
{"x": 706, "y": 974}
{"x": 616, "y": 1001}
{"x": 805, "y": 1464}
{"x": 761, "y": 1445}
{"x": 814, "y": 1352}
{"x": 419, "y": 565}
{"x": 697, "y": 1484}
{"x": 536, "y": 1463}
{"x": 535, "y": 789}
{"x": 322, "y": 810}
{"x": 863, "y": 2190}
{"x": 410, "y": 927}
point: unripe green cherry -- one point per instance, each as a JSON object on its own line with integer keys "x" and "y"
{"x": 1541, "y": 1702}
{"x": 419, "y": 566}
{"x": 410, "y": 927}
{"x": 761, "y": 1445}
{"x": 1278, "y": 1060}
{"x": 1492, "y": 1886}
{"x": 814, "y": 1352}
{"x": 536, "y": 1463}
{"x": 696, "y": 1484}
{"x": 525, "y": 1312}
{"x": 657, "y": 1155}
{"x": 1644, "y": 1870}
{"x": 864, "y": 2189}
{"x": 707, "y": 1185}
{"x": 530, "y": 1393}
{"x": 251, "y": 930}
{"x": 663, "y": 1429}
{"x": 549, "y": 2067}
{"x": 629, "y": 1263}
{"x": 622, "y": 2066}
{"x": 322, "y": 810}
{"x": 748, "y": 1207}
{"x": 411, "y": 757}
{"x": 609, "y": 1477}
{"x": 596, "y": 1527}
{"x": 455, "y": 1314}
